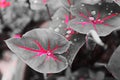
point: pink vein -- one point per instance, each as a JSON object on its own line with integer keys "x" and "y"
{"x": 41, "y": 50}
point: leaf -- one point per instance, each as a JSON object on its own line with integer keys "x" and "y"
{"x": 114, "y": 64}
{"x": 91, "y": 19}
{"x": 59, "y": 26}
{"x": 41, "y": 49}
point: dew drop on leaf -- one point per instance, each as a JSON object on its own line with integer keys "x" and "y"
{"x": 93, "y": 12}
{"x": 57, "y": 30}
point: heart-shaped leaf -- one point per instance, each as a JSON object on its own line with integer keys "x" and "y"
{"x": 114, "y": 64}
{"x": 97, "y": 18}
{"x": 41, "y": 49}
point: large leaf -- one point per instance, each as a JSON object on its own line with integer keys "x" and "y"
{"x": 97, "y": 18}
{"x": 114, "y": 64}
{"x": 41, "y": 49}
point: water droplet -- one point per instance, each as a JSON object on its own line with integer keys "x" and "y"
{"x": 82, "y": 20}
{"x": 48, "y": 53}
{"x": 106, "y": 8}
{"x": 67, "y": 36}
{"x": 99, "y": 3}
{"x": 63, "y": 21}
{"x": 57, "y": 18}
{"x": 83, "y": 5}
{"x": 72, "y": 6}
{"x": 109, "y": 13}
{"x": 50, "y": 28}
{"x": 93, "y": 12}
{"x": 91, "y": 18}
{"x": 99, "y": 19}
{"x": 75, "y": 39}
{"x": 69, "y": 31}
{"x": 60, "y": 25}
{"x": 57, "y": 30}
{"x": 35, "y": 1}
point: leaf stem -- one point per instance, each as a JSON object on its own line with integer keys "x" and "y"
{"x": 1, "y": 18}
{"x": 45, "y": 76}
{"x": 48, "y": 11}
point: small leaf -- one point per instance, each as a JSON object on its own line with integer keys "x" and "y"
{"x": 41, "y": 49}
{"x": 114, "y": 64}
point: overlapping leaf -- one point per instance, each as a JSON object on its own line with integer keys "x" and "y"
{"x": 60, "y": 26}
{"x": 41, "y": 49}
